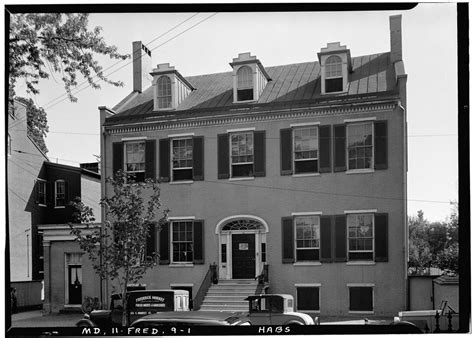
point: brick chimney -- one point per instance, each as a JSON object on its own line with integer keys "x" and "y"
{"x": 395, "y": 38}
{"x": 141, "y": 67}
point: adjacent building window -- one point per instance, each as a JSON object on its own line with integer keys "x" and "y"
{"x": 361, "y": 298}
{"x": 164, "y": 92}
{"x": 60, "y": 193}
{"x": 182, "y": 159}
{"x": 360, "y": 150}
{"x": 305, "y": 150}
{"x": 244, "y": 84}
{"x": 307, "y": 298}
{"x": 307, "y": 238}
{"x": 333, "y": 74}
{"x": 41, "y": 192}
{"x": 242, "y": 159}
{"x": 360, "y": 236}
{"x": 182, "y": 241}
{"x": 135, "y": 160}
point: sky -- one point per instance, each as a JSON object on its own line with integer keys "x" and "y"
{"x": 203, "y": 43}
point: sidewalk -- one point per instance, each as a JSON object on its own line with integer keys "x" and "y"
{"x": 37, "y": 319}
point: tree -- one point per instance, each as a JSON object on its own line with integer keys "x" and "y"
{"x": 37, "y": 122}
{"x": 419, "y": 252}
{"x": 117, "y": 250}
{"x": 43, "y": 44}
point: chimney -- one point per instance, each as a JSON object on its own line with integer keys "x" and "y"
{"x": 141, "y": 67}
{"x": 395, "y": 38}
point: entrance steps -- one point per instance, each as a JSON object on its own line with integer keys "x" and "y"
{"x": 229, "y": 295}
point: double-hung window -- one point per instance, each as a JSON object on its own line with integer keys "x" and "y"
{"x": 360, "y": 230}
{"x": 305, "y": 142}
{"x": 41, "y": 192}
{"x": 244, "y": 84}
{"x": 307, "y": 238}
{"x": 360, "y": 146}
{"x": 242, "y": 154}
{"x": 182, "y": 159}
{"x": 182, "y": 241}
{"x": 164, "y": 92}
{"x": 60, "y": 193}
{"x": 334, "y": 80}
{"x": 135, "y": 160}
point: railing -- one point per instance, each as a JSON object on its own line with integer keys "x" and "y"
{"x": 262, "y": 280}
{"x": 211, "y": 277}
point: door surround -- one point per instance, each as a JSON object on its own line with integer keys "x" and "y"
{"x": 239, "y": 224}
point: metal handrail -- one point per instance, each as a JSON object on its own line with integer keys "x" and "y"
{"x": 262, "y": 280}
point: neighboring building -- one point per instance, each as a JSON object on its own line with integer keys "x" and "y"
{"x": 299, "y": 169}
{"x": 39, "y": 193}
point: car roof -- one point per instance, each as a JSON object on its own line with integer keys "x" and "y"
{"x": 198, "y": 315}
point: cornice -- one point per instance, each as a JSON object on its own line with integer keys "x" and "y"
{"x": 249, "y": 117}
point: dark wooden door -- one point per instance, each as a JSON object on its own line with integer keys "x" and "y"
{"x": 243, "y": 256}
{"x": 75, "y": 284}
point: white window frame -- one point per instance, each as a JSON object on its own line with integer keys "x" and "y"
{"x": 308, "y": 285}
{"x": 304, "y": 215}
{"x": 160, "y": 98}
{"x": 245, "y": 87}
{"x": 371, "y": 169}
{"x": 301, "y": 127}
{"x": 56, "y": 194}
{"x": 373, "y": 237}
{"x": 44, "y": 184}
{"x": 359, "y": 285}
{"x": 173, "y": 221}
{"x": 234, "y": 133}
{"x": 326, "y": 77}
{"x": 172, "y": 168}
{"x": 138, "y": 141}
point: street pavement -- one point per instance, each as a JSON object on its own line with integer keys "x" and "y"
{"x": 36, "y": 318}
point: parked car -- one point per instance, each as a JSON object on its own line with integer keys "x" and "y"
{"x": 191, "y": 318}
{"x": 275, "y": 309}
{"x": 139, "y": 303}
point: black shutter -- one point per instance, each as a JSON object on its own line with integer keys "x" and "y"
{"x": 259, "y": 153}
{"x": 325, "y": 149}
{"x": 165, "y": 244}
{"x": 381, "y": 145}
{"x": 36, "y": 192}
{"x": 151, "y": 241}
{"x": 222, "y": 156}
{"x": 287, "y": 235}
{"x": 150, "y": 150}
{"x": 381, "y": 237}
{"x": 286, "y": 151}
{"x": 198, "y": 158}
{"x": 198, "y": 241}
{"x": 325, "y": 239}
{"x": 340, "y": 239}
{"x": 339, "y": 148}
{"x": 50, "y": 193}
{"x": 164, "y": 160}
{"x": 117, "y": 154}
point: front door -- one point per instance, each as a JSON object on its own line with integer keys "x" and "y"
{"x": 243, "y": 256}
{"x": 75, "y": 284}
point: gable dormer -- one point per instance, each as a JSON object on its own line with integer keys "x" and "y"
{"x": 335, "y": 61}
{"x": 170, "y": 88}
{"x": 249, "y": 78}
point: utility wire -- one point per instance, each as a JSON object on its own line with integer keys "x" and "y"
{"x": 116, "y": 70}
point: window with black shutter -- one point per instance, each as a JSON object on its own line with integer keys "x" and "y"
{"x": 151, "y": 242}
{"x": 286, "y": 151}
{"x": 198, "y": 241}
{"x": 223, "y": 156}
{"x": 287, "y": 234}
{"x": 259, "y": 153}
{"x": 339, "y": 148}
{"x": 326, "y": 239}
{"x": 164, "y": 163}
{"x": 41, "y": 194}
{"x": 381, "y": 237}
{"x": 360, "y": 228}
{"x": 340, "y": 238}
{"x": 117, "y": 157}
{"x": 182, "y": 158}
{"x": 381, "y": 145}
{"x": 361, "y": 298}
{"x": 325, "y": 149}
{"x": 164, "y": 243}
{"x": 150, "y": 151}
{"x": 307, "y": 298}
{"x": 198, "y": 158}
{"x": 305, "y": 150}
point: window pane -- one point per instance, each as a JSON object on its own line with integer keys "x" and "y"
{"x": 360, "y": 234}
{"x": 244, "y": 78}
{"x": 308, "y": 298}
{"x": 360, "y": 299}
{"x": 360, "y": 140}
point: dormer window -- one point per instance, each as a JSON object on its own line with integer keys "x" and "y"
{"x": 334, "y": 79}
{"x": 164, "y": 92}
{"x": 244, "y": 84}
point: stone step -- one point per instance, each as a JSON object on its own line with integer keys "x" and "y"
{"x": 228, "y": 308}
{"x": 225, "y": 299}
{"x": 239, "y": 281}
{"x": 233, "y": 286}
{"x": 243, "y": 293}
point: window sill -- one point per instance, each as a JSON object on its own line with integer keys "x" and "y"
{"x": 242, "y": 178}
{"x": 360, "y": 171}
{"x": 361, "y": 263}
{"x": 245, "y": 101}
{"x": 306, "y": 175}
{"x": 72, "y": 306}
{"x": 181, "y": 182}
{"x": 42, "y": 205}
{"x": 362, "y": 312}
{"x": 309, "y": 311}
{"x": 307, "y": 264}
{"x": 63, "y": 207}
{"x": 181, "y": 265}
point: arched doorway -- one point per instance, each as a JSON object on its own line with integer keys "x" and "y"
{"x": 242, "y": 246}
